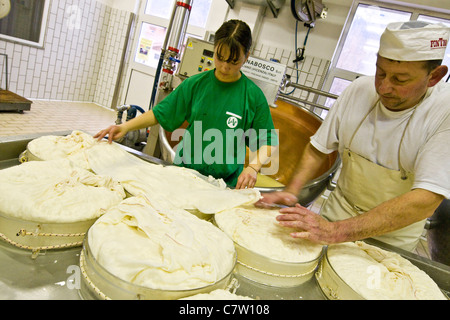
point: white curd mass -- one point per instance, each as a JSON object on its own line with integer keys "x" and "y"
{"x": 168, "y": 249}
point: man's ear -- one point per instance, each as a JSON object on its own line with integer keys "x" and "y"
{"x": 437, "y": 74}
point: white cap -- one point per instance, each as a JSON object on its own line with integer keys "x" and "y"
{"x": 414, "y": 41}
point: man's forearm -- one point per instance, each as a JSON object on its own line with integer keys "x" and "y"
{"x": 389, "y": 216}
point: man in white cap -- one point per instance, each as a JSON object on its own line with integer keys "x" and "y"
{"x": 394, "y": 141}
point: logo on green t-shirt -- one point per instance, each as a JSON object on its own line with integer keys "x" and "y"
{"x": 232, "y": 121}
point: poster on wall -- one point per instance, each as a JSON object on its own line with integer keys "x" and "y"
{"x": 145, "y": 45}
{"x": 150, "y": 44}
{"x": 268, "y": 75}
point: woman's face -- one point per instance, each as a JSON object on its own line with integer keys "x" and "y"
{"x": 228, "y": 71}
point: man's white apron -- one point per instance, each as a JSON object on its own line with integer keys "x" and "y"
{"x": 363, "y": 185}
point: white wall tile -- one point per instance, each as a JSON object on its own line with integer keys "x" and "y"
{"x": 311, "y": 71}
{"x": 74, "y": 61}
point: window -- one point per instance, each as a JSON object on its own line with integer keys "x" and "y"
{"x": 359, "y": 43}
{"x": 163, "y": 9}
{"x": 447, "y": 23}
{"x": 25, "y": 22}
{"x": 154, "y": 26}
{"x": 160, "y": 9}
{"x": 337, "y": 87}
{"x": 359, "y": 52}
{"x": 199, "y": 14}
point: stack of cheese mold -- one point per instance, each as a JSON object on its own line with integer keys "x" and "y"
{"x": 357, "y": 271}
{"x": 51, "y": 204}
{"x": 146, "y": 250}
{"x": 266, "y": 252}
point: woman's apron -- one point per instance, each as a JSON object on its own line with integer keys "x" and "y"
{"x": 363, "y": 185}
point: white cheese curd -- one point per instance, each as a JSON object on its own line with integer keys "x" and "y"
{"x": 72, "y": 146}
{"x": 179, "y": 187}
{"x": 258, "y": 231}
{"x": 377, "y": 274}
{"x": 56, "y": 191}
{"x": 167, "y": 249}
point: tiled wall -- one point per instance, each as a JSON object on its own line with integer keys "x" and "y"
{"x": 80, "y": 59}
{"x": 115, "y": 43}
{"x": 311, "y": 71}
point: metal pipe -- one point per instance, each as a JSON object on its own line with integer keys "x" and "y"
{"x": 175, "y": 36}
{"x": 170, "y": 50}
{"x": 162, "y": 85}
{"x": 169, "y": 28}
{"x": 309, "y": 89}
{"x": 288, "y": 97}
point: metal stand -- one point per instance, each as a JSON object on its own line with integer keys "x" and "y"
{"x": 167, "y": 65}
{"x": 10, "y": 101}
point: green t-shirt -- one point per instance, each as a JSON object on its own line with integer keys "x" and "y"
{"x": 223, "y": 118}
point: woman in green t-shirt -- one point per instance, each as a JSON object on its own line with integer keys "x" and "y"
{"x": 225, "y": 112}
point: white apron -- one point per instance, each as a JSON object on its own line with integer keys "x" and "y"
{"x": 363, "y": 185}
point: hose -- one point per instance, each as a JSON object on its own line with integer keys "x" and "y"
{"x": 132, "y": 111}
{"x": 300, "y": 53}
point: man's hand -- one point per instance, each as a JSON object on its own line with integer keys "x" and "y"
{"x": 311, "y": 225}
{"x": 271, "y": 199}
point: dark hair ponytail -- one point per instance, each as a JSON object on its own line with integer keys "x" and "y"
{"x": 235, "y": 34}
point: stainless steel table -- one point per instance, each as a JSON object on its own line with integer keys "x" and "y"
{"x": 55, "y": 274}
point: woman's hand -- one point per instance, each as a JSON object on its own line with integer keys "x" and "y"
{"x": 114, "y": 132}
{"x": 247, "y": 178}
